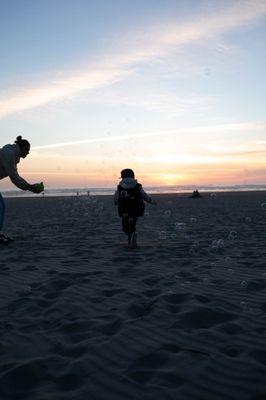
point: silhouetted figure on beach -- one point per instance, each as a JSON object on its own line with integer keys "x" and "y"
{"x": 10, "y": 155}
{"x": 195, "y": 194}
{"x": 130, "y": 199}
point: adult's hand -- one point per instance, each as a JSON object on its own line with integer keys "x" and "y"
{"x": 35, "y": 188}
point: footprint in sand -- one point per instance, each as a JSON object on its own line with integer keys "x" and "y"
{"x": 112, "y": 292}
{"x": 232, "y": 351}
{"x": 110, "y": 328}
{"x": 20, "y": 379}
{"x": 145, "y": 367}
{"x": 231, "y": 328}
{"x": 202, "y": 299}
{"x": 173, "y": 301}
{"x": 69, "y": 381}
{"x": 152, "y": 292}
{"x": 203, "y": 318}
{"x": 140, "y": 308}
{"x": 151, "y": 281}
{"x": 259, "y": 356}
{"x": 159, "y": 368}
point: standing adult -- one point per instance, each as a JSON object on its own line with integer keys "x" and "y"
{"x": 10, "y": 155}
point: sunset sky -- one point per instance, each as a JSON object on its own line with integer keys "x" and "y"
{"x": 174, "y": 89}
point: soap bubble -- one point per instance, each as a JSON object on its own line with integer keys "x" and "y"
{"x": 263, "y": 205}
{"x": 167, "y": 213}
{"x": 213, "y": 195}
{"x": 228, "y": 260}
{"x": 230, "y": 270}
{"x": 192, "y": 250}
{"x": 232, "y": 235}
{"x": 162, "y": 235}
{"x": 180, "y": 226}
{"x": 193, "y": 219}
{"x": 173, "y": 236}
{"x": 247, "y": 219}
{"x": 244, "y": 284}
{"x": 220, "y": 243}
{"x": 27, "y": 290}
{"x": 217, "y": 244}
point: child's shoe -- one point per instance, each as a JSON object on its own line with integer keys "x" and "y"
{"x": 4, "y": 238}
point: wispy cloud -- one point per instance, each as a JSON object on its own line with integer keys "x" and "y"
{"x": 237, "y": 127}
{"x": 145, "y": 48}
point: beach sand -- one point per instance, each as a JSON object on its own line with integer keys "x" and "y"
{"x": 181, "y": 317}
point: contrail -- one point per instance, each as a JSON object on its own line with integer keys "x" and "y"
{"x": 198, "y": 129}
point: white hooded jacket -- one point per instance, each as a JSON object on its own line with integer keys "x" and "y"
{"x": 9, "y": 158}
{"x": 130, "y": 183}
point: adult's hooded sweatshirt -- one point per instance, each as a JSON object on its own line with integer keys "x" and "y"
{"x": 9, "y": 158}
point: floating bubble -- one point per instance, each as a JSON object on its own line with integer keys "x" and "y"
{"x": 213, "y": 195}
{"x": 232, "y": 235}
{"x": 162, "y": 235}
{"x": 173, "y": 236}
{"x": 263, "y": 205}
{"x": 167, "y": 213}
{"x": 220, "y": 243}
{"x": 217, "y": 244}
{"x": 27, "y": 290}
{"x": 244, "y": 284}
{"x": 180, "y": 226}
{"x": 205, "y": 279}
{"x": 193, "y": 220}
{"x": 264, "y": 275}
{"x": 192, "y": 250}
{"x": 228, "y": 260}
{"x": 247, "y": 219}
{"x": 230, "y": 270}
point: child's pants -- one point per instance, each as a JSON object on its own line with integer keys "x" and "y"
{"x": 129, "y": 224}
{"x": 2, "y": 211}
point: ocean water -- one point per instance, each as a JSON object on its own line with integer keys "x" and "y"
{"x": 50, "y": 192}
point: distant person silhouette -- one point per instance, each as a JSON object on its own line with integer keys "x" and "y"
{"x": 130, "y": 197}
{"x": 10, "y": 155}
{"x": 195, "y": 194}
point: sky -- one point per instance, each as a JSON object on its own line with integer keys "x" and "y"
{"x": 174, "y": 89}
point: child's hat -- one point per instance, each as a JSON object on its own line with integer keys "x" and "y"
{"x": 127, "y": 173}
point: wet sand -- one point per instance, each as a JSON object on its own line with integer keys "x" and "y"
{"x": 183, "y": 316}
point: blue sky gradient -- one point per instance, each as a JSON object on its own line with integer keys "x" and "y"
{"x": 76, "y": 71}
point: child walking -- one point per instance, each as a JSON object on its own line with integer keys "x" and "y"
{"x": 130, "y": 198}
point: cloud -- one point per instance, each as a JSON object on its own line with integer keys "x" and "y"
{"x": 152, "y": 44}
{"x": 237, "y": 127}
